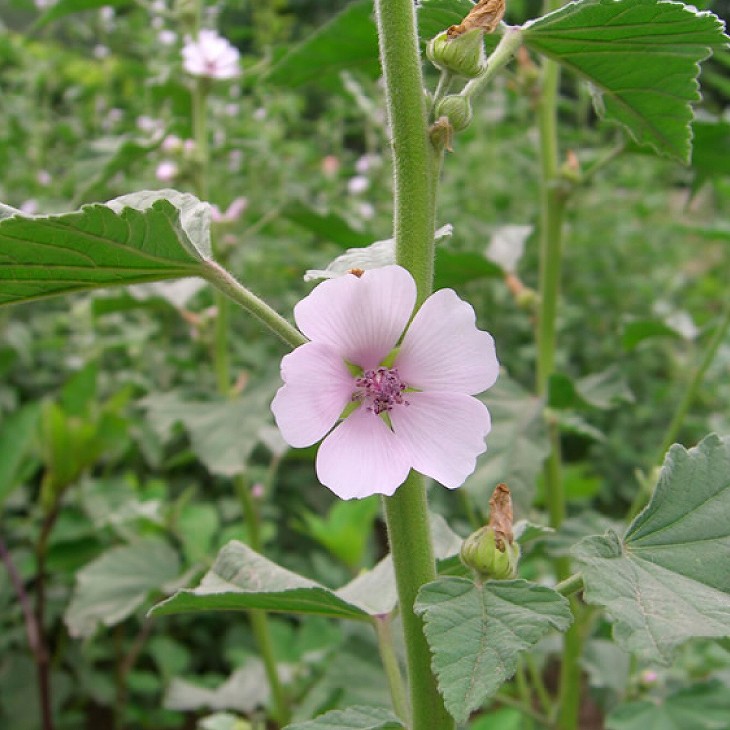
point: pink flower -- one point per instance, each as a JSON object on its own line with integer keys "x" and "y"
{"x": 399, "y": 409}
{"x": 210, "y": 55}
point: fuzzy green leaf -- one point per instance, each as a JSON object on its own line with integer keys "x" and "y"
{"x": 353, "y": 718}
{"x": 137, "y": 238}
{"x": 476, "y": 633}
{"x": 667, "y": 580}
{"x": 118, "y": 582}
{"x": 642, "y": 59}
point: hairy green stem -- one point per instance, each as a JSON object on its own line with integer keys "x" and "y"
{"x": 498, "y": 59}
{"x": 233, "y": 289}
{"x": 570, "y": 585}
{"x": 398, "y": 693}
{"x": 415, "y": 164}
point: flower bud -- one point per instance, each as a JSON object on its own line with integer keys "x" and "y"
{"x": 457, "y": 109}
{"x": 463, "y": 55}
{"x": 490, "y": 557}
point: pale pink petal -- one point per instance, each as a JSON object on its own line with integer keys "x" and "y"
{"x": 362, "y": 318}
{"x": 361, "y": 457}
{"x": 443, "y": 349}
{"x": 317, "y": 387}
{"x": 442, "y": 434}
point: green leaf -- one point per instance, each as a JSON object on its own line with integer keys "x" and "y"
{"x": 710, "y": 150}
{"x": 639, "y": 330}
{"x": 117, "y": 583}
{"x": 516, "y": 446}
{"x": 667, "y": 579}
{"x": 477, "y": 632}
{"x": 348, "y": 41}
{"x": 222, "y": 433}
{"x": 17, "y": 433}
{"x": 244, "y": 691}
{"x": 353, "y": 718}
{"x": 455, "y": 268}
{"x": 146, "y": 236}
{"x": 702, "y": 707}
{"x": 241, "y": 579}
{"x": 435, "y": 16}
{"x": 68, "y": 7}
{"x": 642, "y": 58}
{"x": 329, "y": 226}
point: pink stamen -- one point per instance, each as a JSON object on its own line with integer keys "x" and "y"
{"x": 380, "y": 389}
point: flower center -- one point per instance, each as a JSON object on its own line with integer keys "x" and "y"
{"x": 380, "y": 389}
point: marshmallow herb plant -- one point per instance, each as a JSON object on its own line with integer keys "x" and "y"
{"x": 396, "y": 383}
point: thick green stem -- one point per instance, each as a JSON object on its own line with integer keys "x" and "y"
{"x": 415, "y": 167}
{"x": 498, "y": 59}
{"x": 410, "y": 545}
{"x": 398, "y": 693}
{"x": 412, "y": 150}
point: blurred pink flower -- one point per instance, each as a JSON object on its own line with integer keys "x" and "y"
{"x": 166, "y": 171}
{"x": 232, "y": 214}
{"x": 211, "y": 55}
{"x": 411, "y": 407}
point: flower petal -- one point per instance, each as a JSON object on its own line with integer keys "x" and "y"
{"x": 362, "y": 457}
{"x": 443, "y": 350}
{"x": 442, "y": 434}
{"x": 317, "y": 387}
{"x": 362, "y": 318}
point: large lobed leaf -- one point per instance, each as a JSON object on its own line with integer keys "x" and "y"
{"x": 641, "y": 56}
{"x": 137, "y": 238}
{"x": 477, "y": 632}
{"x": 667, "y": 580}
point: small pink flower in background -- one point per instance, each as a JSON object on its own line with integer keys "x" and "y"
{"x": 166, "y": 171}
{"x": 403, "y": 409}
{"x": 211, "y": 55}
{"x": 232, "y": 214}
{"x": 358, "y": 184}
{"x": 171, "y": 143}
{"x": 44, "y": 178}
{"x": 330, "y": 165}
{"x": 167, "y": 37}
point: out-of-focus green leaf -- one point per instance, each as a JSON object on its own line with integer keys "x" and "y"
{"x": 17, "y": 433}
{"x": 223, "y": 433}
{"x": 639, "y": 330}
{"x": 516, "y": 446}
{"x": 244, "y": 691}
{"x": 456, "y": 268}
{"x": 346, "y": 529}
{"x": 641, "y": 57}
{"x": 349, "y": 41}
{"x": 353, "y": 718}
{"x": 117, "y": 583}
{"x": 710, "y": 150}
{"x": 329, "y": 226}
{"x": 142, "y": 237}
{"x": 702, "y": 707}
{"x": 667, "y": 580}
{"x": 477, "y": 632}
{"x": 223, "y": 721}
{"x": 63, "y": 8}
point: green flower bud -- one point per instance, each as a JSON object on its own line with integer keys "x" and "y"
{"x": 488, "y": 557}
{"x": 463, "y": 55}
{"x": 457, "y": 109}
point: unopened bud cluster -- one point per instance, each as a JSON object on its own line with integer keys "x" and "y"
{"x": 462, "y": 56}
{"x": 490, "y": 556}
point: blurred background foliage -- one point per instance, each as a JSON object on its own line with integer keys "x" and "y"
{"x": 105, "y": 398}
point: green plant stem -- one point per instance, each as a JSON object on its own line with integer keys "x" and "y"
{"x": 227, "y": 284}
{"x": 539, "y": 686}
{"x": 570, "y": 585}
{"x": 442, "y": 88}
{"x": 415, "y": 163}
{"x": 508, "y": 44}
{"x": 398, "y": 693}
{"x": 646, "y": 485}
{"x": 228, "y": 288}
{"x": 413, "y": 559}
{"x": 507, "y": 701}
{"x": 552, "y": 206}
{"x": 413, "y": 153}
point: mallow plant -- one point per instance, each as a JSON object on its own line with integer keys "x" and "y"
{"x": 388, "y": 375}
